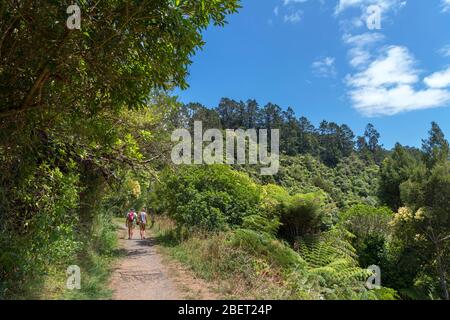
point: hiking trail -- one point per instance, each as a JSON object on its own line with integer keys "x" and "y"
{"x": 144, "y": 274}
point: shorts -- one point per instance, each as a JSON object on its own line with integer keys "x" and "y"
{"x": 142, "y": 225}
{"x": 130, "y": 224}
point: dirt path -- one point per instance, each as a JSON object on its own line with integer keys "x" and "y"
{"x": 143, "y": 274}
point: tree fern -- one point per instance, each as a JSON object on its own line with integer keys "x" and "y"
{"x": 332, "y": 259}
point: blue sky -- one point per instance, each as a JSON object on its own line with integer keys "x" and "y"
{"x": 320, "y": 58}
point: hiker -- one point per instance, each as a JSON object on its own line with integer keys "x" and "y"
{"x": 142, "y": 221}
{"x": 130, "y": 222}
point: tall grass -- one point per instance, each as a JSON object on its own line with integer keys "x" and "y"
{"x": 243, "y": 264}
{"x": 96, "y": 262}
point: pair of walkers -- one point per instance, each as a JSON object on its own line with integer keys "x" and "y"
{"x": 133, "y": 218}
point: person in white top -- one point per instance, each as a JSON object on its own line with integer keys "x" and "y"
{"x": 142, "y": 217}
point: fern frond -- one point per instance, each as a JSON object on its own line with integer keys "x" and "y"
{"x": 333, "y": 261}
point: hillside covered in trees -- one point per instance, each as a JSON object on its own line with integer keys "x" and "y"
{"x": 334, "y": 191}
{"x": 86, "y": 119}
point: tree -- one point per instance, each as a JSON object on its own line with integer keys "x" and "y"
{"x": 231, "y": 113}
{"x": 336, "y": 142}
{"x": 271, "y": 117}
{"x": 123, "y": 50}
{"x": 68, "y": 88}
{"x": 346, "y": 140}
{"x": 68, "y": 127}
{"x": 361, "y": 144}
{"x": 426, "y": 217}
{"x": 436, "y": 147}
{"x": 370, "y": 225}
{"x": 329, "y": 152}
{"x": 372, "y": 136}
{"x": 302, "y": 215}
{"x": 426, "y": 195}
{"x": 368, "y": 145}
{"x": 307, "y": 137}
{"x": 252, "y": 119}
{"x": 209, "y": 117}
{"x": 290, "y": 132}
{"x": 395, "y": 170}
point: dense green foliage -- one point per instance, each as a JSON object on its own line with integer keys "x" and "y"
{"x": 330, "y": 142}
{"x": 394, "y": 171}
{"x": 371, "y": 228}
{"x": 308, "y": 202}
{"x": 82, "y": 120}
{"x": 208, "y": 197}
{"x": 85, "y": 125}
{"x": 251, "y": 264}
{"x": 322, "y": 261}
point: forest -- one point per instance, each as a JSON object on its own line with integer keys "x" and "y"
{"x": 86, "y": 118}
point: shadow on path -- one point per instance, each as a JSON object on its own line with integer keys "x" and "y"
{"x": 140, "y": 273}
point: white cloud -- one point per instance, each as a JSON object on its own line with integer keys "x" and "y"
{"x": 288, "y": 2}
{"x": 439, "y": 80}
{"x": 363, "y": 39}
{"x": 387, "y": 85}
{"x": 397, "y": 67}
{"x": 288, "y": 11}
{"x": 324, "y": 68}
{"x": 385, "y": 5}
{"x": 360, "y": 52}
{"x": 445, "y": 5}
{"x": 381, "y": 101}
{"x": 345, "y": 4}
{"x": 356, "y": 22}
{"x": 293, "y": 17}
{"x": 385, "y": 80}
{"x": 445, "y": 51}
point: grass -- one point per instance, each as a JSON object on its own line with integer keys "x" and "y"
{"x": 95, "y": 272}
{"x": 95, "y": 261}
{"x": 94, "y": 281}
{"x": 241, "y": 264}
{"x": 247, "y": 264}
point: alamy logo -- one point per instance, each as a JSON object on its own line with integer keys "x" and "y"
{"x": 374, "y": 281}
{"x": 74, "y": 277}
{"x": 236, "y": 151}
{"x": 373, "y": 21}
{"x": 74, "y": 20}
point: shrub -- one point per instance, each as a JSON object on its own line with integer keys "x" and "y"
{"x": 39, "y": 231}
{"x": 364, "y": 220}
{"x": 208, "y": 197}
{"x": 302, "y": 215}
{"x": 371, "y": 227}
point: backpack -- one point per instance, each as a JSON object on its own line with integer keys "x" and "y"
{"x": 130, "y": 216}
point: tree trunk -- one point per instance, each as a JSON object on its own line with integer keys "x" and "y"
{"x": 92, "y": 183}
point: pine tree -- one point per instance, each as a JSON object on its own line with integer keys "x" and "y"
{"x": 436, "y": 147}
